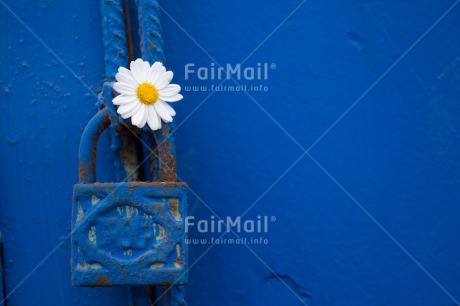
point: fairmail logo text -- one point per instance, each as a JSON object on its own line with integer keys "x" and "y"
{"x": 228, "y": 224}
{"x": 226, "y": 72}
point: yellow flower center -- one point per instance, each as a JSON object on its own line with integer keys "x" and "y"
{"x": 147, "y": 93}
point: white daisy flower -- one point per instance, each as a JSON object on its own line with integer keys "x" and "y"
{"x": 144, "y": 92}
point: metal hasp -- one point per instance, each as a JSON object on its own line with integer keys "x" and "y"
{"x": 126, "y": 233}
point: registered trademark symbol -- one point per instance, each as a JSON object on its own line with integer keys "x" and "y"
{"x": 273, "y": 66}
{"x": 273, "y": 218}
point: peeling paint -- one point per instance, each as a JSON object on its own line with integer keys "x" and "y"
{"x": 177, "y": 263}
{"x": 174, "y": 209}
{"x": 86, "y": 266}
{"x": 128, "y": 212}
{"x": 94, "y": 200}
{"x": 157, "y": 265}
{"x": 92, "y": 234}
{"x": 128, "y": 252}
{"x": 80, "y": 213}
{"x": 161, "y": 231}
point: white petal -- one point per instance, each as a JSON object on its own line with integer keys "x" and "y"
{"x": 163, "y": 111}
{"x": 123, "y": 99}
{"x": 146, "y": 115}
{"x": 123, "y": 70}
{"x": 128, "y": 110}
{"x": 168, "y": 107}
{"x": 138, "y": 116}
{"x": 154, "y": 72}
{"x": 124, "y": 88}
{"x": 139, "y": 70}
{"x": 170, "y": 90}
{"x": 164, "y": 80}
{"x": 125, "y": 76}
{"x": 153, "y": 120}
{"x": 175, "y": 98}
{"x": 159, "y": 120}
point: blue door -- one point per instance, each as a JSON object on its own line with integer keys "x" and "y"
{"x": 320, "y": 141}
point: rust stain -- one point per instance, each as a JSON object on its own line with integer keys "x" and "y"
{"x": 174, "y": 209}
{"x": 103, "y": 126}
{"x": 177, "y": 261}
{"x": 167, "y": 161}
{"x": 129, "y": 35}
{"x": 103, "y": 280}
{"x": 157, "y": 206}
{"x": 82, "y": 173}
{"x": 128, "y": 152}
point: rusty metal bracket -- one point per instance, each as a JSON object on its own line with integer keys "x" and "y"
{"x": 117, "y": 53}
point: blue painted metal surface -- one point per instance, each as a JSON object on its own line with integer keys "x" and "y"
{"x": 130, "y": 233}
{"x": 396, "y": 152}
{"x": 2, "y": 272}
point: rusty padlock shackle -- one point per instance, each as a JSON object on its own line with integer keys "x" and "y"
{"x": 88, "y": 151}
{"x": 88, "y": 146}
{"x": 166, "y": 152}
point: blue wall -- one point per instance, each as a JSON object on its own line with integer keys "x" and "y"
{"x": 380, "y": 229}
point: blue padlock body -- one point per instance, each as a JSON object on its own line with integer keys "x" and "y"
{"x": 129, "y": 233}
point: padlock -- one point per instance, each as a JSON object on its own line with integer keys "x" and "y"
{"x": 125, "y": 233}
